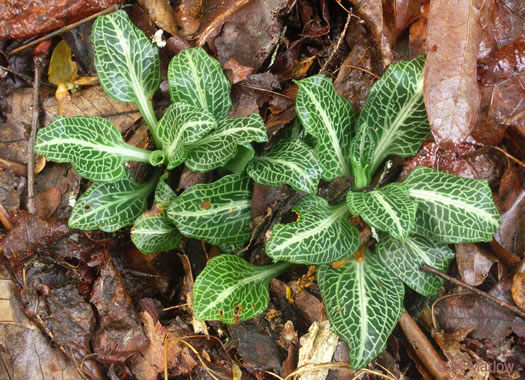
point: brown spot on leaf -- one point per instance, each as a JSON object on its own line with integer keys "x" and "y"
{"x": 205, "y": 205}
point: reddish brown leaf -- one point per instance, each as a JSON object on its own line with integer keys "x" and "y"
{"x": 119, "y": 333}
{"x": 451, "y": 91}
{"x": 509, "y": 20}
{"x": 47, "y": 202}
{"x": 187, "y": 14}
{"x": 22, "y": 18}
{"x": 407, "y": 11}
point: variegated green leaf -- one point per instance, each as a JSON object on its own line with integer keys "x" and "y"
{"x": 328, "y": 117}
{"x": 91, "y": 144}
{"x": 393, "y": 120}
{"x": 164, "y": 194}
{"x": 111, "y": 206}
{"x": 153, "y": 232}
{"x": 388, "y": 208}
{"x": 221, "y": 145}
{"x": 290, "y": 162}
{"x": 183, "y": 125}
{"x": 218, "y": 212}
{"x": 405, "y": 260}
{"x": 363, "y": 302}
{"x": 452, "y": 209}
{"x": 231, "y": 290}
{"x": 244, "y": 155}
{"x": 197, "y": 79}
{"x": 321, "y": 234}
{"x": 127, "y": 62}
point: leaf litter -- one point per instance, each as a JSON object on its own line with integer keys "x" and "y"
{"x": 117, "y": 321}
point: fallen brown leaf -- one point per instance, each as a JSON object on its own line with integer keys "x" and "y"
{"x": 474, "y": 263}
{"x": 451, "y": 90}
{"x": 21, "y": 18}
{"x": 149, "y": 363}
{"x": 161, "y": 14}
{"x": 91, "y": 101}
{"x": 518, "y": 287}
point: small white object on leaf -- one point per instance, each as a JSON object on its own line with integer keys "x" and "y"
{"x": 157, "y": 39}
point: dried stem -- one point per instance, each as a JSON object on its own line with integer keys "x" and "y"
{"x": 514, "y": 309}
{"x": 32, "y": 137}
{"x": 423, "y": 348}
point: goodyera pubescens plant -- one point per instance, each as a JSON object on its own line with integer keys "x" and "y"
{"x": 363, "y": 292}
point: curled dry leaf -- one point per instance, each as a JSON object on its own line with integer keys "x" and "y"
{"x": 474, "y": 263}
{"x": 451, "y": 90}
{"x": 317, "y": 346}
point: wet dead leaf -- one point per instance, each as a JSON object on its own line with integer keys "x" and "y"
{"x": 19, "y": 18}
{"x": 317, "y": 346}
{"x": 451, "y": 91}
{"x": 161, "y": 14}
{"x": 119, "y": 332}
{"x": 25, "y": 352}
{"x": 187, "y": 14}
{"x": 47, "y": 202}
{"x": 474, "y": 263}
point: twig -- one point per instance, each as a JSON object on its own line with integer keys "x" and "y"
{"x": 4, "y": 218}
{"x": 32, "y": 137}
{"x": 336, "y": 48}
{"x": 514, "y": 309}
{"x": 26, "y": 77}
{"x": 424, "y": 350}
{"x": 264, "y": 90}
{"x": 63, "y": 29}
{"x": 360, "y": 69}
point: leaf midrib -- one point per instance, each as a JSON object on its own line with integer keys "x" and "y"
{"x": 235, "y": 206}
{"x": 332, "y": 135}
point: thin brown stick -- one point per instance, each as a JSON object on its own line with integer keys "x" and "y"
{"x": 26, "y": 77}
{"x": 514, "y": 309}
{"x": 264, "y": 90}
{"x": 363, "y": 70}
{"x": 32, "y": 137}
{"x": 338, "y": 44}
{"x": 63, "y": 29}
{"x": 423, "y": 348}
{"x": 4, "y": 218}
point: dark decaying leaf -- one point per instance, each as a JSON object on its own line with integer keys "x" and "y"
{"x": 474, "y": 263}
{"x": 451, "y": 91}
{"x": 161, "y": 14}
{"x": 19, "y": 18}
{"x": 119, "y": 332}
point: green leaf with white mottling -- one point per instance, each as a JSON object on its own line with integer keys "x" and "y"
{"x": 181, "y": 126}
{"x": 328, "y": 117}
{"x": 221, "y": 145}
{"x": 91, "y": 144}
{"x": 363, "y": 302}
{"x": 290, "y": 162}
{"x": 197, "y": 79}
{"x": 405, "y": 260}
{"x": 321, "y": 234}
{"x": 237, "y": 164}
{"x": 452, "y": 209}
{"x": 164, "y": 194}
{"x": 393, "y": 120}
{"x": 230, "y": 290}
{"x": 127, "y": 62}
{"x": 388, "y": 208}
{"x": 153, "y": 232}
{"x": 111, "y": 206}
{"x": 218, "y": 212}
